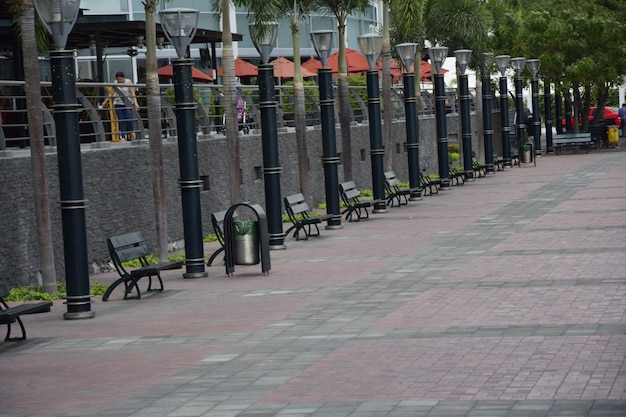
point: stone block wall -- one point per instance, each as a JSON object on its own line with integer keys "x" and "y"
{"x": 118, "y": 187}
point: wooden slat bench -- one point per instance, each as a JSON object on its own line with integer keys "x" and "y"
{"x": 10, "y": 315}
{"x": 303, "y": 221}
{"x": 128, "y": 247}
{"x": 572, "y": 140}
{"x": 429, "y": 185}
{"x": 217, "y": 220}
{"x": 395, "y": 193}
{"x": 351, "y": 196}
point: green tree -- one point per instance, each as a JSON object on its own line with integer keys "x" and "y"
{"x": 385, "y": 57}
{"x": 23, "y": 12}
{"x": 342, "y": 9}
{"x": 580, "y": 44}
{"x": 153, "y": 99}
{"x": 294, "y": 11}
{"x": 230, "y": 101}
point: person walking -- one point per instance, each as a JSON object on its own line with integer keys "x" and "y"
{"x": 622, "y": 119}
{"x": 124, "y": 115}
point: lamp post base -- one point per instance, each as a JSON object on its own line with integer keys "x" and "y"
{"x": 79, "y": 315}
{"x": 446, "y": 184}
{"x": 191, "y": 275}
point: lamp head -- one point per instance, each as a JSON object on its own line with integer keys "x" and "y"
{"x": 518, "y": 65}
{"x": 59, "y": 17}
{"x": 462, "y": 59}
{"x": 264, "y": 38}
{"x": 438, "y": 55}
{"x": 179, "y": 25}
{"x": 502, "y": 61}
{"x": 371, "y": 44}
{"x": 487, "y": 63}
{"x": 323, "y": 43}
{"x": 533, "y": 66}
{"x": 406, "y": 52}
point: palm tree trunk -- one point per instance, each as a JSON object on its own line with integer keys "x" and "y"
{"x": 230, "y": 105}
{"x": 386, "y": 84}
{"x": 343, "y": 95}
{"x": 38, "y": 161}
{"x": 300, "y": 116}
{"x": 153, "y": 97}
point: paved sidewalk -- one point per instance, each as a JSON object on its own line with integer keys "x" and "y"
{"x": 502, "y": 297}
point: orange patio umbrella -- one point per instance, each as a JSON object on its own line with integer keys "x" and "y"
{"x": 426, "y": 71}
{"x": 312, "y": 64}
{"x": 197, "y": 75}
{"x": 396, "y": 68}
{"x": 355, "y": 61}
{"x": 242, "y": 69}
{"x": 284, "y": 68}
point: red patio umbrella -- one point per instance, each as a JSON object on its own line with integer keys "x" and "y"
{"x": 284, "y": 68}
{"x": 312, "y": 64}
{"x": 396, "y": 68}
{"x": 355, "y": 61}
{"x": 197, "y": 75}
{"x": 242, "y": 69}
{"x": 426, "y": 71}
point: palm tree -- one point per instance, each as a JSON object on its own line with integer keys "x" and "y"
{"x": 153, "y": 98}
{"x": 342, "y": 9}
{"x": 385, "y": 56}
{"x": 294, "y": 11}
{"x": 23, "y": 12}
{"x": 230, "y": 104}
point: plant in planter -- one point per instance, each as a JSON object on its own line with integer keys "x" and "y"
{"x": 245, "y": 227}
{"x": 246, "y": 242}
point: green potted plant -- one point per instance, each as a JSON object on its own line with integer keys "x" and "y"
{"x": 246, "y": 242}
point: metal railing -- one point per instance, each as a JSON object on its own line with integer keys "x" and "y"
{"x": 97, "y": 124}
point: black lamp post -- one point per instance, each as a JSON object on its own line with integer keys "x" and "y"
{"x": 179, "y": 25}
{"x": 264, "y": 39}
{"x": 371, "y": 44}
{"x": 59, "y": 17}
{"x": 518, "y": 66}
{"x": 462, "y": 59}
{"x": 406, "y": 52}
{"x": 547, "y": 105}
{"x": 502, "y": 61}
{"x": 438, "y": 55}
{"x": 533, "y": 67}
{"x": 487, "y": 125}
{"x": 323, "y": 42}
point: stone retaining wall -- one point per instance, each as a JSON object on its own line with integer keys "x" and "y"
{"x": 118, "y": 187}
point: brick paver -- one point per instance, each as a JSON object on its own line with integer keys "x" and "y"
{"x": 504, "y": 297}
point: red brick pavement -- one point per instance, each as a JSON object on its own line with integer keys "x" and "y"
{"x": 383, "y": 314}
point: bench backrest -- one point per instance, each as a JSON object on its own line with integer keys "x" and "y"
{"x": 349, "y": 192}
{"x": 127, "y": 247}
{"x": 217, "y": 220}
{"x": 570, "y": 136}
{"x": 391, "y": 179}
{"x": 296, "y": 204}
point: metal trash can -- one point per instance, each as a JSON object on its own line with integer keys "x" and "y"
{"x": 613, "y": 136}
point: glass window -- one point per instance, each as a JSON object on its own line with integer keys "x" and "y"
{"x": 104, "y": 7}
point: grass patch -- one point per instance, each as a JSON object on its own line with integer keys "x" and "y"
{"x": 34, "y": 293}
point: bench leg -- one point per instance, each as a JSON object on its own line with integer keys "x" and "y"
{"x": 150, "y": 283}
{"x": 129, "y": 283}
{"x": 8, "y": 337}
{"x": 212, "y": 258}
